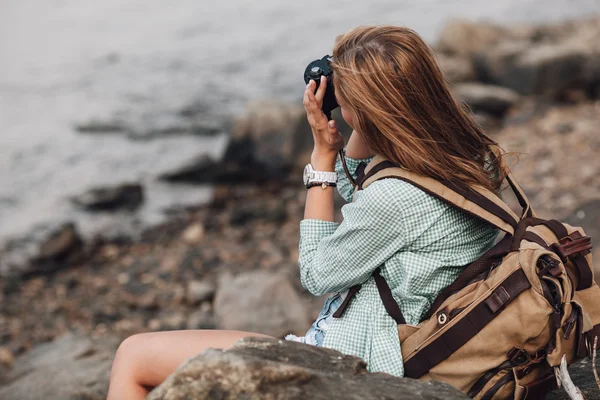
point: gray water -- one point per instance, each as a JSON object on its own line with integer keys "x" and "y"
{"x": 141, "y": 62}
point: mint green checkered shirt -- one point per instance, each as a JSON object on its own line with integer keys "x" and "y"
{"x": 421, "y": 242}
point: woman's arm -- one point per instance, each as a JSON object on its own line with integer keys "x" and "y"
{"x": 334, "y": 257}
{"x": 328, "y": 141}
{"x": 337, "y": 256}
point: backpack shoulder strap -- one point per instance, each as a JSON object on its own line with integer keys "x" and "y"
{"x": 475, "y": 200}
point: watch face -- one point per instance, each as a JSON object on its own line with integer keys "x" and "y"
{"x": 306, "y": 176}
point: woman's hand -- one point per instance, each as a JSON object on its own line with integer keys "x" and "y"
{"x": 328, "y": 140}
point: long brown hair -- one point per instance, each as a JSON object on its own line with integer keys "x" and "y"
{"x": 401, "y": 105}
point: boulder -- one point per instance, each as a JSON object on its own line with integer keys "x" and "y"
{"x": 72, "y": 367}
{"x": 545, "y": 69}
{"x": 205, "y": 169}
{"x": 269, "y": 141}
{"x": 124, "y": 196}
{"x": 465, "y": 38}
{"x": 494, "y": 100}
{"x": 544, "y": 61}
{"x": 240, "y": 304}
{"x": 277, "y": 369}
{"x": 587, "y": 215}
{"x": 45, "y": 250}
{"x": 59, "y": 244}
{"x": 456, "y": 69}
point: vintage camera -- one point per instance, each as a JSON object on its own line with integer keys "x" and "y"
{"x": 314, "y": 71}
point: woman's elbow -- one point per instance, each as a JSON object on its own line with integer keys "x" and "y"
{"x": 312, "y": 284}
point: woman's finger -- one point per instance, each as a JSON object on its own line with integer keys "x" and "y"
{"x": 332, "y": 131}
{"x": 310, "y": 101}
{"x": 332, "y": 126}
{"x": 305, "y": 99}
{"x": 321, "y": 90}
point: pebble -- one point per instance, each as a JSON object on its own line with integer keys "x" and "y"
{"x": 193, "y": 234}
{"x": 6, "y": 357}
{"x": 199, "y": 291}
{"x": 123, "y": 278}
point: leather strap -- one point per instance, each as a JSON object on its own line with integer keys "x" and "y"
{"x": 381, "y": 166}
{"x": 514, "y": 185}
{"x": 466, "y": 328}
{"x": 387, "y": 298}
{"x": 519, "y": 194}
{"x": 456, "y": 194}
{"x": 474, "y": 269}
{"x": 565, "y": 249}
{"x": 345, "y": 166}
{"x": 585, "y": 272}
{"x": 342, "y": 308}
{"x": 532, "y": 237}
{"x": 539, "y": 389}
{"x": 555, "y": 226}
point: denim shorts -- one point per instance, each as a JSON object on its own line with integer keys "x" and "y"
{"x": 316, "y": 333}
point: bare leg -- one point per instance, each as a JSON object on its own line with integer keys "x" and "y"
{"x": 145, "y": 360}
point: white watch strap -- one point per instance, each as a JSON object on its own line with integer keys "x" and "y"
{"x": 324, "y": 176}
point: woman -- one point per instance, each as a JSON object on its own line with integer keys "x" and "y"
{"x": 393, "y": 94}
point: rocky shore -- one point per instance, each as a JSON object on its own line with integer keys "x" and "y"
{"x": 536, "y": 90}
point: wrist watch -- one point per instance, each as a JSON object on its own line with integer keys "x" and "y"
{"x": 319, "y": 178}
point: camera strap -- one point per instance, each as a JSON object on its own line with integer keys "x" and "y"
{"x": 346, "y": 171}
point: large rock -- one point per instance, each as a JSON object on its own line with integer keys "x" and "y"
{"x": 543, "y": 61}
{"x": 268, "y": 142}
{"x": 494, "y": 100}
{"x": 274, "y": 369}
{"x": 465, "y": 38}
{"x": 552, "y": 60}
{"x": 45, "y": 250}
{"x": 546, "y": 69}
{"x": 262, "y": 302}
{"x": 124, "y": 196}
{"x": 70, "y": 368}
{"x": 456, "y": 69}
{"x": 262, "y": 147}
{"x": 587, "y": 216}
{"x": 275, "y": 135}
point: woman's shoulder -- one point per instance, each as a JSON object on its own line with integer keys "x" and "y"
{"x": 399, "y": 193}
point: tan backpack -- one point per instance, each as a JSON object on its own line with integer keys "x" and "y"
{"x": 511, "y": 316}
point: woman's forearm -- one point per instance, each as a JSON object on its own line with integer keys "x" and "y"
{"x": 319, "y": 201}
{"x": 357, "y": 148}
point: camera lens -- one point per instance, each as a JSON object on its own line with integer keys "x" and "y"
{"x": 316, "y": 72}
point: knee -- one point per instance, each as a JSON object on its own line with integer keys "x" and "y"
{"x": 128, "y": 354}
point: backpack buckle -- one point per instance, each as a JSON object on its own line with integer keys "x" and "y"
{"x": 518, "y": 356}
{"x": 572, "y": 244}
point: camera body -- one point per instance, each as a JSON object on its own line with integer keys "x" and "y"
{"x": 314, "y": 71}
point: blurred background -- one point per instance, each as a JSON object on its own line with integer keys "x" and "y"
{"x": 150, "y": 152}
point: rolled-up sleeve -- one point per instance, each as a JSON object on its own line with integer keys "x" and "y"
{"x": 335, "y": 257}
{"x": 344, "y": 186}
